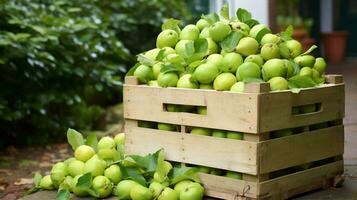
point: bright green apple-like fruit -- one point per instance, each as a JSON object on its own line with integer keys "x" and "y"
{"x": 167, "y": 38}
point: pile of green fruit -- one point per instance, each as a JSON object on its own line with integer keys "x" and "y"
{"x": 100, "y": 169}
{"x": 223, "y": 53}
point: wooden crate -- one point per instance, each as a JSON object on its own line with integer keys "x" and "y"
{"x": 256, "y": 113}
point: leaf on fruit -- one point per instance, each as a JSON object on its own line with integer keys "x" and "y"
{"x": 319, "y": 80}
{"x": 312, "y": 48}
{"x": 201, "y": 45}
{"x": 189, "y": 49}
{"x": 132, "y": 70}
{"x": 133, "y": 174}
{"x": 211, "y": 18}
{"x": 160, "y": 168}
{"x": 299, "y": 81}
{"x": 37, "y": 179}
{"x": 92, "y": 141}
{"x": 251, "y": 22}
{"x": 284, "y": 50}
{"x": 178, "y": 174}
{"x": 145, "y": 60}
{"x": 287, "y": 34}
{"x": 171, "y": 68}
{"x": 261, "y": 33}
{"x": 225, "y": 11}
{"x": 148, "y": 162}
{"x": 296, "y": 67}
{"x": 172, "y": 24}
{"x": 119, "y": 154}
{"x": 231, "y": 41}
{"x": 85, "y": 181}
{"x": 243, "y": 15}
{"x": 63, "y": 194}
{"x": 75, "y": 139}
{"x": 161, "y": 55}
{"x": 253, "y": 80}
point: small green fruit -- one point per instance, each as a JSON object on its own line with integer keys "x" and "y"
{"x": 106, "y": 143}
{"x": 231, "y": 62}
{"x": 257, "y": 31}
{"x": 234, "y": 135}
{"x": 75, "y": 168}
{"x": 140, "y": 192}
{"x": 124, "y": 188}
{"x": 156, "y": 68}
{"x": 102, "y": 186}
{"x": 77, "y": 190}
{"x": 95, "y": 166}
{"x": 206, "y": 86}
{"x": 169, "y": 194}
{"x": 216, "y": 59}
{"x": 202, "y": 110}
{"x": 320, "y": 65}
{"x": 204, "y": 33}
{"x": 306, "y": 71}
{"x": 273, "y": 68}
{"x": 240, "y": 27}
{"x": 152, "y": 54}
{"x": 202, "y": 23}
{"x": 248, "y": 70}
{"x": 201, "y": 131}
{"x": 153, "y": 84}
{"x": 167, "y": 79}
{"x": 113, "y": 173}
{"x": 270, "y": 51}
{"x": 119, "y": 139}
{"x": 166, "y": 127}
{"x": 305, "y": 61}
{"x": 185, "y": 82}
{"x": 194, "y": 191}
{"x": 278, "y": 83}
{"x": 219, "y": 30}
{"x": 167, "y": 38}
{"x": 84, "y": 153}
{"x": 180, "y": 186}
{"x": 46, "y": 183}
{"x": 206, "y": 73}
{"x": 203, "y": 169}
{"x": 212, "y": 46}
{"x": 219, "y": 133}
{"x": 189, "y": 32}
{"x": 257, "y": 59}
{"x": 144, "y": 73}
{"x": 247, "y": 46}
{"x": 295, "y": 48}
{"x": 234, "y": 175}
{"x": 270, "y": 38}
{"x": 224, "y": 81}
{"x": 238, "y": 87}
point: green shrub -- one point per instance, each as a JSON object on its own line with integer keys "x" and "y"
{"x": 62, "y": 61}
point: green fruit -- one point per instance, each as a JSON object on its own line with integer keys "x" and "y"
{"x": 169, "y": 194}
{"x": 124, "y": 188}
{"x": 168, "y": 51}
{"x": 219, "y": 133}
{"x": 140, "y": 192}
{"x": 216, "y": 59}
{"x": 259, "y": 31}
{"x": 278, "y": 83}
{"x": 106, "y": 143}
{"x": 166, "y": 127}
{"x": 234, "y": 175}
{"x": 102, "y": 186}
{"x": 282, "y": 133}
{"x": 238, "y": 87}
{"x": 240, "y": 27}
{"x": 84, "y": 153}
{"x": 119, "y": 139}
{"x": 219, "y": 30}
{"x": 206, "y": 86}
{"x": 180, "y": 186}
{"x": 202, "y": 110}
{"x": 153, "y": 84}
{"x": 217, "y": 172}
{"x": 58, "y": 173}
{"x": 75, "y": 167}
{"x": 320, "y": 65}
{"x": 167, "y": 38}
{"x": 106, "y": 154}
{"x": 289, "y": 68}
{"x": 202, "y": 23}
{"x": 156, "y": 68}
{"x": 185, "y": 82}
{"x": 308, "y": 109}
{"x": 212, "y": 46}
{"x": 231, "y": 62}
{"x": 189, "y": 32}
{"x": 152, "y": 54}
{"x": 167, "y": 166}
{"x": 180, "y": 47}
{"x": 156, "y": 188}
{"x": 46, "y": 183}
{"x": 175, "y": 58}
{"x": 224, "y": 82}
{"x": 273, "y": 68}
{"x": 95, "y": 166}
{"x": 167, "y": 79}
{"x": 294, "y": 47}
{"x": 305, "y": 61}
{"x": 257, "y": 59}
{"x": 113, "y": 173}
{"x": 144, "y": 73}
{"x": 201, "y": 131}
{"x": 269, "y": 38}
{"x": 77, "y": 190}
{"x": 270, "y": 51}
{"x": 234, "y": 135}
{"x": 204, "y": 33}
{"x": 67, "y": 183}
{"x": 206, "y": 73}
{"x": 203, "y": 169}
{"x": 306, "y": 71}
{"x": 172, "y": 108}
{"x": 315, "y": 74}
{"x": 247, "y": 46}
{"x": 194, "y": 191}
{"x": 248, "y": 70}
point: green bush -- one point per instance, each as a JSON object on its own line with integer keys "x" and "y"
{"x": 63, "y": 61}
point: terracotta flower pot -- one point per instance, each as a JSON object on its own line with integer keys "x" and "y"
{"x": 299, "y": 34}
{"x": 307, "y": 43}
{"x": 335, "y": 46}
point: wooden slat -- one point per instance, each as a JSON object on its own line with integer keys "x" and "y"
{"x": 299, "y": 149}
{"x": 228, "y": 154}
{"x": 227, "y": 188}
{"x": 299, "y": 179}
{"x": 225, "y": 110}
{"x": 276, "y": 108}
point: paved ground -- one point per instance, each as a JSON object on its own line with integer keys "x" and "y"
{"x": 349, "y": 189}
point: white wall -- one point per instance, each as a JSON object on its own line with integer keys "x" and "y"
{"x": 326, "y": 16}
{"x": 258, "y": 8}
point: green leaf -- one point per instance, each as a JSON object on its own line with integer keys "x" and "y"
{"x": 145, "y": 60}
{"x": 261, "y": 33}
{"x": 75, "y": 139}
{"x": 253, "y": 80}
{"x": 85, "y": 181}
{"x": 284, "y": 50}
{"x": 287, "y": 34}
{"x": 172, "y": 68}
{"x": 160, "y": 168}
{"x": 119, "y": 155}
{"x": 63, "y": 194}
{"x": 178, "y": 174}
{"x": 319, "y": 80}
{"x": 132, "y": 70}
{"x": 243, "y": 15}
{"x": 225, "y": 11}
{"x": 211, "y": 18}
{"x": 148, "y": 162}
{"x": 189, "y": 49}
{"x": 201, "y": 45}
{"x": 37, "y": 179}
{"x": 313, "y": 47}
{"x": 133, "y": 174}
{"x": 92, "y": 141}
{"x": 251, "y": 22}
{"x": 299, "y": 81}
{"x": 231, "y": 41}
{"x": 296, "y": 67}
{"x": 172, "y": 24}
{"x": 161, "y": 55}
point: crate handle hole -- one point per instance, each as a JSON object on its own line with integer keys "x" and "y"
{"x": 184, "y": 108}
{"x": 306, "y": 109}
